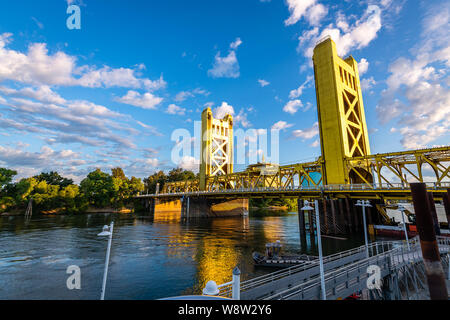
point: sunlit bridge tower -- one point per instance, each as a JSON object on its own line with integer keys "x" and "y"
{"x": 216, "y": 148}
{"x": 342, "y": 123}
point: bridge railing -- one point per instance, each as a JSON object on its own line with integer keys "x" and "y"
{"x": 330, "y": 187}
{"x": 355, "y": 274}
{"x": 375, "y": 248}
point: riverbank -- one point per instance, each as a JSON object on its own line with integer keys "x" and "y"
{"x": 63, "y": 211}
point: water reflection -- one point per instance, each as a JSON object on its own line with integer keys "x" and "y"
{"x": 151, "y": 257}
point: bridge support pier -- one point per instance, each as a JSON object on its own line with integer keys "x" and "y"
{"x": 149, "y": 205}
{"x": 194, "y": 207}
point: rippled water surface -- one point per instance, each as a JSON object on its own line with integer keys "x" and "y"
{"x": 151, "y": 258}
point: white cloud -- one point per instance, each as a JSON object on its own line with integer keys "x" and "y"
{"x": 417, "y": 96}
{"x": 281, "y": 125}
{"x": 189, "y": 163}
{"x": 346, "y": 37}
{"x": 241, "y": 119}
{"x": 145, "y": 101}
{"x": 292, "y": 106}
{"x": 263, "y": 82}
{"x": 297, "y": 9}
{"x": 225, "y": 67}
{"x": 363, "y": 66}
{"x": 236, "y": 43}
{"x": 298, "y": 92}
{"x": 222, "y": 110}
{"x": 367, "y": 83}
{"x": 315, "y": 144}
{"x": 316, "y": 13}
{"x": 38, "y": 67}
{"x": 307, "y": 134}
{"x": 183, "y": 95}
{"x": 174, "y": 109}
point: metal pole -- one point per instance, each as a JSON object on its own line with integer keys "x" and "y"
{"x": 365, "y": 228}
{"x": 430, "y": 251}
{"x": 404, "y": 228}
{"x": 105, "y": 272}
{"x": 319, "y": 243}
{"x": 236, "y": 288}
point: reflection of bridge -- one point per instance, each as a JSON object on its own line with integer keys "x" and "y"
{"x": 346, "y": 272}
{"x": 346, "y": 169}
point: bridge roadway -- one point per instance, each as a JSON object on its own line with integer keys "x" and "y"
{"x": 345, "y": 272}
{"x": 356, "y": 191}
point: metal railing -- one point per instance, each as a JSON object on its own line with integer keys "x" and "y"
{"x": 355, "y": 275}
{"x": 331, "y": 187}
{"x": 374, "y": 249}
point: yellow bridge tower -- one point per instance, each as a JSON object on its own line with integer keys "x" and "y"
{"x": 216, "y": 156}
{"x": 342, "y": 123}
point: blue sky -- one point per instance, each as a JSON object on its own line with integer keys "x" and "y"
{"x": 112, "y": 93}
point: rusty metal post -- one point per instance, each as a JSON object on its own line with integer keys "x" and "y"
{"x": 437, "y": 229}
{"x": 446, "y": 198}
{"x": 428, "y": 243}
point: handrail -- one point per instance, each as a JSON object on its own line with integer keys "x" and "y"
{"x": 258, "y": 281}
{"x": 396, "y": 255}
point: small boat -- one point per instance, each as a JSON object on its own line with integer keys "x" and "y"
{"x": 272, "y": 258}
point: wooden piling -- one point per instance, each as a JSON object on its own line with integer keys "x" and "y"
{"x": 301, "y": 222}
{"x": 349, "y": 215}
{"x": 437, "y": 229}
{"x": 326, "y": 228}
{"x": 430, "y": 251}
{"x": 446, "y": 198}
{"x": 333, "y": 216}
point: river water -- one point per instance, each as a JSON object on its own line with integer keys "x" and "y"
{"x": 151, "y": 258}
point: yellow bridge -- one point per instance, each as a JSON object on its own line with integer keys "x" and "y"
{"x": 345, "y": 170}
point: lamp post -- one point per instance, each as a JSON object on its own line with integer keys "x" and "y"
{"x": 107, "y": 231}
{"x": 364, "y": 204}
{"x": 402, "y": 211}
{"x": 307, "y": 207}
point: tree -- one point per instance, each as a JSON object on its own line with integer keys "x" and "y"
{"x": 118, "y": 173}
{"x": 54, "y": 178}
{"x": 6, "y": 176}
{"x": 98, "y": 188}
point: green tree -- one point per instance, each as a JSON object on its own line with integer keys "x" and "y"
{"x": 99, "y": 189}
{"x": 6, "y": 176}
{"x": 54, "y": 178}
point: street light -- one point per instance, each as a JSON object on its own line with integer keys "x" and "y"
{"x": 364, "y": 204}
{"x": 107, "y": 231}
{"x": 307, "y": 207}
{"x": 402, "y": 211}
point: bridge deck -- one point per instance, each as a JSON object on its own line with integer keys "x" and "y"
{"x": 358, "y": 191}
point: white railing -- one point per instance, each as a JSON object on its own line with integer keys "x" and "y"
{"x": 374, "y": 249}
{"x": 398, "y": 257}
